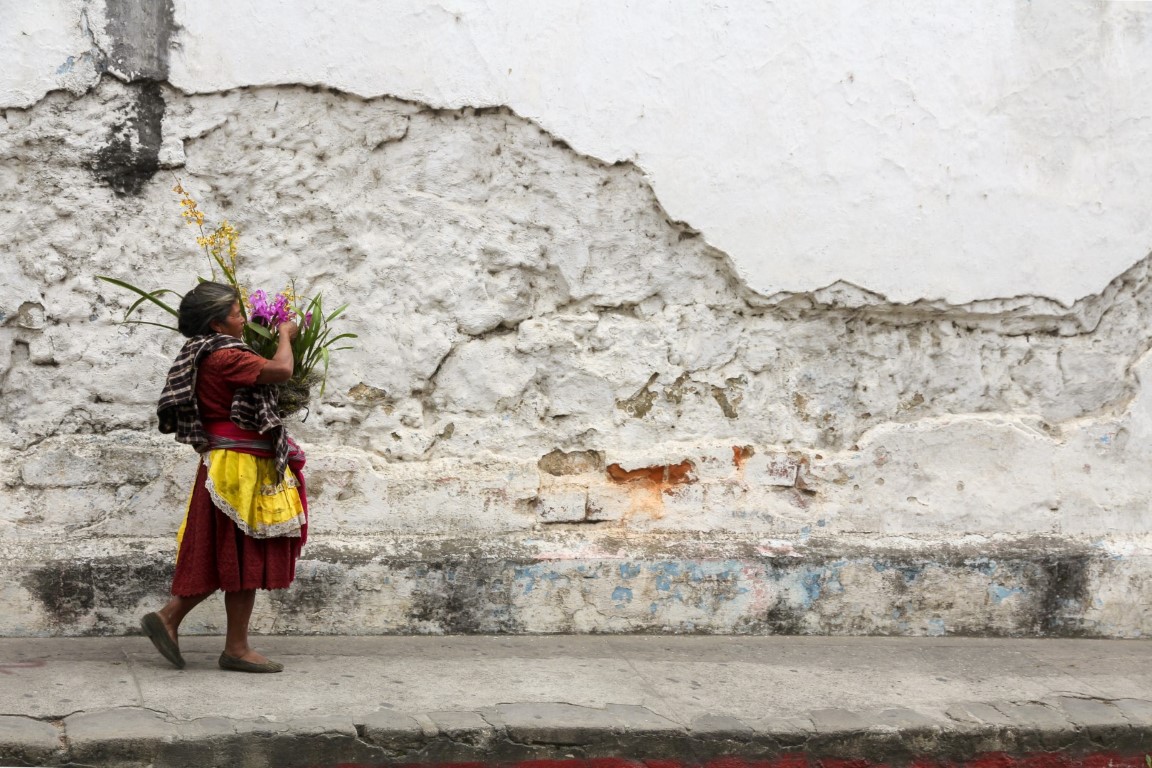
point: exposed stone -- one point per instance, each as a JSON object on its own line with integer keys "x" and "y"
{"x": 837, "y": 720}
{"x": 560, "y": 463}
{"x": 466, "y": 727}
{"x": 25, "y": 740}
{"x": 563, "y": 505}
{"x": 723, "y": 727}
{"x": 391, "y": 730}
{"x": 117, "y": 735}
{"x": 1091, "y": 713}
{"x": 557, "y": 723}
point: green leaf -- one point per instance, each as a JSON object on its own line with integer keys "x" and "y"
{"x": 341, "y": 336}
{"x": 259, "y": 330}
{"x": 336, "y": 313}
{"x": 145, "y": 322}
{"x": 145, "y": 294}
{"x": 324, "y": 381}
{"x": 142, "y": 299}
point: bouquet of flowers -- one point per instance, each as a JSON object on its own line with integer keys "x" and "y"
{"x": 263, "y": 315}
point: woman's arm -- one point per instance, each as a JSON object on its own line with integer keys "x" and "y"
{"x": 279, "y": 368}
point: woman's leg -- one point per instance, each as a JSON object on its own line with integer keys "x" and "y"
{"x": 238, "y": 606}
{"x": 176, "y": 609}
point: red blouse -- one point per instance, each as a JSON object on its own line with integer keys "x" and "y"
{"x": 220, "y": 375}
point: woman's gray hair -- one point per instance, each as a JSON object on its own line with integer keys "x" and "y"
{"x": 205, "y": 304}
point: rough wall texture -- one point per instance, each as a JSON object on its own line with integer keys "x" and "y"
{"x": 565, "y": 412}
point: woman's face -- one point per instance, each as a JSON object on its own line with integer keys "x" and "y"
{"x": 233, "y": 325}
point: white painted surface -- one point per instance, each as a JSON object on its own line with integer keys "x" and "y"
{"x": 929, "y": 150}
{"x": 940, "y": 151}
{"x": 45, "y": 47}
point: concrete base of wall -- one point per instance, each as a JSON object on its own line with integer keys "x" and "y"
{"x": 563, "y": 582}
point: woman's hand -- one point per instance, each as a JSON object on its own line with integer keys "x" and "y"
{"x": 289, "y": 329}
{"x": 279, "y": 368}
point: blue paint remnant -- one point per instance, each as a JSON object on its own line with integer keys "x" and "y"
{"x": 532, "y": 574}
{"x": 66, "y": 67}
{"x": 983, "y": 565}
{"x": 629, "y": 570}
{"x": 910, "y": 572}
{"x": 821, "y": 523}
{"x": 936, "y": 628}
{"x": 805, "y": 533}
{"x": 880, "y": 567}
{"x": 1106, "y": 440}
{"x": 665, "y": 572}
{"x": 810, "y": 583}
{"x": 999, "y": 593}
{"x": 621, "y": 595}
{"x": 652, "y": 608}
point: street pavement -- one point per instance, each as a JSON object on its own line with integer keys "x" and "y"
{"x": 504, "y": 699}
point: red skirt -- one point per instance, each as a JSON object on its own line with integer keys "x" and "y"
{"x": 215, "y": 554}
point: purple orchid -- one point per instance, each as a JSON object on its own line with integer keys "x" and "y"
{"x": 270, "y": 314}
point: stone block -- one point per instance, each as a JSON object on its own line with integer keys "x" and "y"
{"x": 464, "y": 727}
{"x": 1091, "y": 712}
{"x": 206, "y": 729}
{"x": 392, "y": 730}
{"x": 785, "y": 731}
{"x": 562, "y": 505}
{"x": 721, "y": 727}
{"x": 772, "y": 469}
{"x": 112, "y": 736}
{"x": 901, "y": 719}
{"x": 1038, "y": 716}
{"x": 557, "y": 723}
{"x": 323, "y": 725}
{"x": 261, "y": 727}
{"x": 837, "y": 720}
{"x": 977, "y": 713}
{"x": 637, "y": 719}
{"x": 1137, "y": 711}
{"x": 608, "y": 502}
{"x": 24, "y": 740}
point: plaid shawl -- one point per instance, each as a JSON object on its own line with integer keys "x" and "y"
{"x": 253, "y": 408}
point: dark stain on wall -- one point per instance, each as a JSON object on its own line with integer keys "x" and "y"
{"x": 140, "y": 33}
{"x": 131, "y": 155}
{"x": 73, "y": 591}
{"x": 465, "y": 596}
{"x": 1063, "y": 584}
{"x": 320, "y": 589}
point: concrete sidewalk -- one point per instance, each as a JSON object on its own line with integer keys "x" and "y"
{"x": 383, "y": 700}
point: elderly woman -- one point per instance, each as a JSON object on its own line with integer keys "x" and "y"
{"x": 247, "y": 516}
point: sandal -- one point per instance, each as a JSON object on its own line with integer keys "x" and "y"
{"x": 154, "y": 628}
{"x": 239, "y": 665}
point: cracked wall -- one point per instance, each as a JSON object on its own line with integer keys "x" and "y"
{"x": 566, "y": 410}
{"x": 983, "y": 150}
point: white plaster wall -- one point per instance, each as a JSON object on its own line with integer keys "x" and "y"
{"x": 568, "y": 412}
{"x": 928, "y": 150}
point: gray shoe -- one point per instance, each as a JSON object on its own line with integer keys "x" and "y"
{"x": 239, "y": 665}
{"x": 154, "y": 628}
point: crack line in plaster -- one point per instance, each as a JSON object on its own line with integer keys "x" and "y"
{"x": 825, "y": 297}
{"x": 866, "y": 304}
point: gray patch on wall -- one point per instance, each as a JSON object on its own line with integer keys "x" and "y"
{"x": 103, "y": 588}
{"x": 132, "y": 155}
{"x": 140, "y": 32}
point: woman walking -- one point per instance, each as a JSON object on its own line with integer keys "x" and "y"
{"x": 247, "y": 517}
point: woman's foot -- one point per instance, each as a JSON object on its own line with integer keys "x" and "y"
{"x": 250, "y": 661}
{"x": 163, "y": 636}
